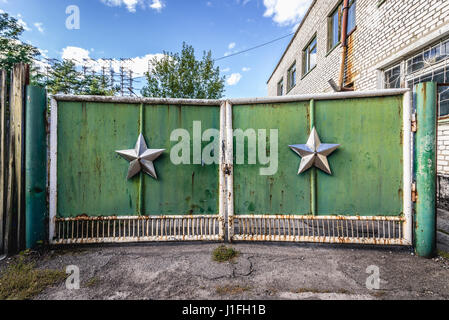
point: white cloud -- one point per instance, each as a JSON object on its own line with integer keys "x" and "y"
{"x": 286, "y": 12}
{"x": 226, "y": 70}
{"x": 22, "y": 23}
{"x": 233, "y": 79}
{"x": 231, "y": 46}
{"x": 246, "y": 69}
{"x": 39, "y": 26}
{"x": 138, "y": 65}
{"x": 131, "y": 5}
{"x": 75, "y": 53}
{"x": 157, "y": 5}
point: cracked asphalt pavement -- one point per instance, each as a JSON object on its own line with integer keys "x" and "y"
{"x": 262, "y": 271}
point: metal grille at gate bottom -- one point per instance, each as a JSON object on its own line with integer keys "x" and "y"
{"x": 321, "y": 229}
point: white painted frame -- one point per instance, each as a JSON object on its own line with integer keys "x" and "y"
{"x": 53, "y": 205}
{"x": 226, "y": 192}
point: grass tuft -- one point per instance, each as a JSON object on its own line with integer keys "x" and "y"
{"x": 231, "y": 290}
{"x": 224, "y": 254}
{"x": 443, "y": 254}
{"x": 21, "y": 280}
{"x": 92, "y": 282}
{"x": 318, "y": 291}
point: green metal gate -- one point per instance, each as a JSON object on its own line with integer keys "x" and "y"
{"x": 90, "y": 198}
{"x": 367, "y": 199}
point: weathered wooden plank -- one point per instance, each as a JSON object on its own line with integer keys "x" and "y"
{"x": 20, "y": 78}
{"x": 3, "y": 75}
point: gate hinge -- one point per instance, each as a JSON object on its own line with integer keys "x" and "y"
{"x": 414, "y": 193}
{"x": 414, "y": 123}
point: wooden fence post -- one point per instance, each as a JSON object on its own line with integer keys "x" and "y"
{"x": 12, "y": 149}
{"x": 3, "y": 137}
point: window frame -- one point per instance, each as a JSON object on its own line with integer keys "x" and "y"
{"x": 291, "y": 84}
{"x": 408, "y": 75}
{"x": 330, "y": 27}
{"x": 280, "y": 85}
{"x": 352, "y": 3}
{"x": 306, "y": 68}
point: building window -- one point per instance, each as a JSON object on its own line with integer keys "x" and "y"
{"x": 443, "y": 100}
{"x": 392, "y": 77}
{"x": 281, "y": 87}
{"x": 428, "y": 57}
{"x": 291, "y": 77}
{"x": 334, "y": 28}
{"x": 430, "y": 64}
{"x": 351, "y": 16}
{"x": 310, "y": 56}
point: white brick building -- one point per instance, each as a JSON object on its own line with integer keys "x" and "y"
{"x": 391, "y": 44}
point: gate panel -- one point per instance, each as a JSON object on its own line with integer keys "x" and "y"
{"x": 365, "y": 200}
{"x": 96, "y": 203}
{"x": 90, "y": 173}
{"x": 367, "y": 174}
{"x": 282, "y": 192}
{"x": 180, "y": 189}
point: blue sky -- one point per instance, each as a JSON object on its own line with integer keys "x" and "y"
{"x": 139, "y": 29}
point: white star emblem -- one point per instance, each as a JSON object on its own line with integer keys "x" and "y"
{"x": 141, "y": 158}
{"x": 314, "y": 153}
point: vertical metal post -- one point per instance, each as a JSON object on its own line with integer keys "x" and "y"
{"x": 313, "y": 181}
{"x": 53, "y": 201}
{"x": 407, "y": 143}
{"x": 222, "y": 169}
{"x": 35, "y": 166}
{"x": 141, "y": 176}
{"x": 229, "y": 170}
{"x": 425, "y": 168}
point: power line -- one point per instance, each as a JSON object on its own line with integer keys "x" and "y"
{"x": 256, "y": 47}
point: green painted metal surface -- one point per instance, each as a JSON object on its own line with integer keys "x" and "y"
{"x": 36, "y": 165}
{"x": 425, "y": 169}
{"x": 92, "y": 177}
{"x": 283, "y": 192}
{"x": 367, "y": 169}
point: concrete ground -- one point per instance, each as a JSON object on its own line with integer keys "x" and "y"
{"x": 262, "y": 271}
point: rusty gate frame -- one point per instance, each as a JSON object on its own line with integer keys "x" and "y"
{"x": 227, "y": 226}
{"x": 113, "y": 229}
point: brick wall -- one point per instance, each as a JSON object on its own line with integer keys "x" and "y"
{"x": 381, "y": 32}
{"x": 386, "y": 33}
{"x": 443, "y": 148}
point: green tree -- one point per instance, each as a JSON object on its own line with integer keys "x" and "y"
{"x": 181, "y": 75}
{"x": 12, "y": 50}
{"x": 64, "y": 78}
{"x": 97, "y": 85}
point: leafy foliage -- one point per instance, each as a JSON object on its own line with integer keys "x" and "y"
{"x": 180, "y": 75}
{"x": 12, "y": 50}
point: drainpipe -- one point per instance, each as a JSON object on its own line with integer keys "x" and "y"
{"x": 344, "y": 42}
